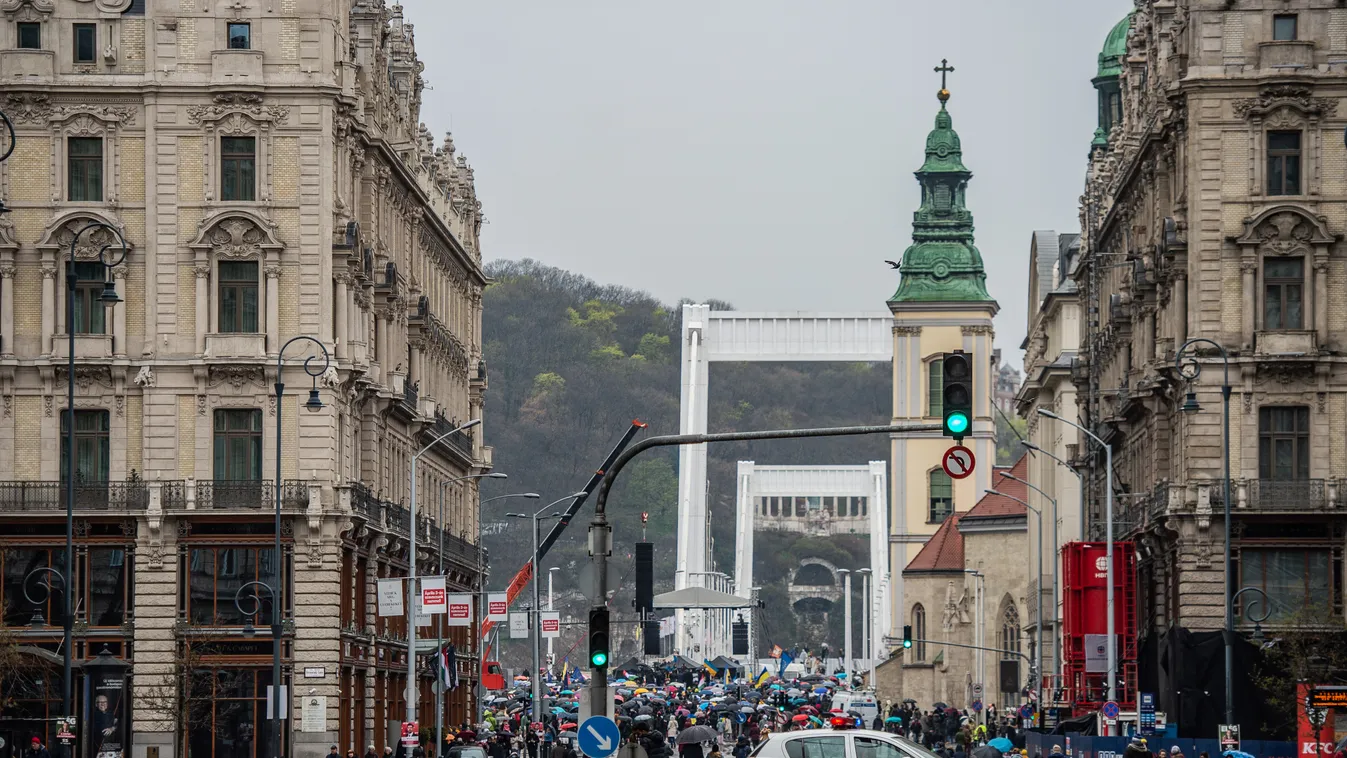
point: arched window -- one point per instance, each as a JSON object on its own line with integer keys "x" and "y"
{"x": 918, "y": 632}
{"x": 941, "y": 496}
{"x": 1008, "y": 639}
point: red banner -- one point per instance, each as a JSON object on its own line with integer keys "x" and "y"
{"x": 1315, "y": 739}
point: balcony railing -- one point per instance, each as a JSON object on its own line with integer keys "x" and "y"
{"x": 19, "y": 496}
{"x": 460, "y": 440}
{"x": 257, "y": 494}
{"x": 382, "y": 514}
{"x": 1288, "y": 494}
{"x": 397, "y": 518}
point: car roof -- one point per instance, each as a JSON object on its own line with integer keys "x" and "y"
{"x": 817, "y": 732}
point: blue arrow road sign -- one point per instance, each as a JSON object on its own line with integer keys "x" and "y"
{"x": 1110, "y": 710}
{"x": 599, "y": 737}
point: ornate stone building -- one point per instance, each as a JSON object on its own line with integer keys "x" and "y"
{"x": 265, "y": 165}
{"x": 1215, "y": 208}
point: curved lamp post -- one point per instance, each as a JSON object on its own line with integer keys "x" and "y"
{"x": 1080, "y": 479}
{"x": 48, "y": 574}
{"x": 1188, "y": 366}
{"x": 538, "y": 712}
{"x": 313, "y": 405}
{"x": 254, "y": 601}
{"x": 1112, "y": 647}
{"x": 439, "y": 628}
{"x": 109, "y": 296}
{"x": 1257, "y": 620}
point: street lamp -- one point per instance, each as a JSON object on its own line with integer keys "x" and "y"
{"x": 439, "y": 628}
{"x": 536, "y": 677}
{"x": 1056, "y": 577}
{"x": 1190, "y": 368}
{"x": 254, "y": 601}
{"x": 312, "y": 405}
{"x": 1038, "y": 605}
{"x": 551, "y": 573}
{"x": 48, "y": 575}
{"x": 865, "y": 624}
{"x": 1257, "y": 620}
{"x": 481, "y": 574}
{"x": 1112, "y": 646}
{"x": 1080, "y": 480}
{"x": 109, "y": 296}
{"x": 412, "y": 689}
{"x": 846, "y": 627}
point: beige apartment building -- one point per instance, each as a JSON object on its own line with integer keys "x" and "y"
{"x": 1215, "y": 208}
{"x": 265, "y": 164}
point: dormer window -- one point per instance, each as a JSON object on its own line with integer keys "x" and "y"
{"x": 1284, "y": 27}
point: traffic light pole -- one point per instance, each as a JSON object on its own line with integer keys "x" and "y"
{"x": 601, "y": 534}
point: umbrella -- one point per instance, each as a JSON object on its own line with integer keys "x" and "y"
{"x": 746, "y": 709}
{"x": 800, "y": 718}
{"x": 811, "y": 710}
{"x": 909, "y": 701}
{"x": 568, "y": 692}
{"x": 642, "y": 691}
{"x": 1001, "y": 743}
{"x": 625, "y": 691}
{"x": 570, "y": 725}
{"x": 816, "y": 720}
{"x": 893, "y": 720}
{"x": 697, "y": 733}
{"x": 792, "y": 692}
{"x": 987, "y": 751}
{"x": 645, "y": 717}
{"x": 820, "y": 690}
{"x": 1236, "y": 754}
{"x": 937, "y": 706}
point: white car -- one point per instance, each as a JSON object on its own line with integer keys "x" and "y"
{"x": 838, "y": 743}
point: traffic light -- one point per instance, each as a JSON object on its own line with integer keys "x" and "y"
{"x": 957, "y": 396}
{"x": 645, "y": 577}
{"x": 739, "y": 631}
{"x": 907, "y": 637}
{"x": 598, "y": 638}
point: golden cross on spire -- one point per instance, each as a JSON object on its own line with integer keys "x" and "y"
{"x": 943, "y": 69}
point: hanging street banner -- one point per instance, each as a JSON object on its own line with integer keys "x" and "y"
{"x": 519, "y": 626}
{"x": 460, "y": 610}
{"x": 432, "y": 595}
{"x": 497, "y": 606}
{"x": 551, "y": 623}
{"x": 390, "y": 597}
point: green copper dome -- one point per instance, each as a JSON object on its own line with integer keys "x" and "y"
{"x": 942, "y": 264}
{"x": 1115, "y": 49}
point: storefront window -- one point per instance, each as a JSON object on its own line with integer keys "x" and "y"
{"x": 17, "y": 567}
{"x": 216, "y": 577}
{"x": 229, "y": 713}
{"x": 107, "y": 586}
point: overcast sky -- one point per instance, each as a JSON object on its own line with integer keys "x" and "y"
{"x": 761, "y": 151}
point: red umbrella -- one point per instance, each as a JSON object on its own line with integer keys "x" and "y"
{"x": 568, "y": 725}
{"x": 809, "y": 709}
{"x": 798, "y": 718}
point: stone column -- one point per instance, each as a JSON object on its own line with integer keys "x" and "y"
{"x": 48, "y": 307}
{"x": 206, "y": 316}
{"x": 7, "y": 272}
{"x": 1248, "y": 268}
{"x": 339, "y": 316}
{"x": 1321, "y": 300}
{"x": 413, "y": 363}
{"x": 273, "y": 273}
{"x": 381, "y": 346}
{"x": 119, "y": 314}
{"x": 1180, "y": 310}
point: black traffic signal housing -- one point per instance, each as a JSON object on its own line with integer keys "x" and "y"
{"x": 957, "y": 394}
{"x": 599, "y": 650}
{"x": 739, "y": 630}
{"x": 907, "y": 637}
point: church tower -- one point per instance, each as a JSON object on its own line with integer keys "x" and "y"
{"x": 941, "y": 306}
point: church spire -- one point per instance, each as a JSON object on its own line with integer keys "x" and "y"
{"x": 943, "y": 264}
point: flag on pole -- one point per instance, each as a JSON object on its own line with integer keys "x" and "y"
{"x": 786, "y": 660}
{"x": 442, "y": 661}
{"x": 762, "y": 678}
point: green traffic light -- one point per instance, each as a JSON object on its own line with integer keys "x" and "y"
{"x": 956, "y": 423}
{"x": 599, "y": 659}
{"x": 907, "y": 643}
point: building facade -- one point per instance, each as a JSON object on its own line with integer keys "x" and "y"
{"x": 266, "y": 168}
{"x": 941, "y": 305}
{"x": 1215, "y": 208}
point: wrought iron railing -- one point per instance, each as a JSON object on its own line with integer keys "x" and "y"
{"x": 365, "y": 504}
{"x": 397, "y": 518}
{"x": 459, "y": 440}
{"x": 19, "y": 496}
{"x": 234, "y": 493}
{"x": 1288, "y": 494}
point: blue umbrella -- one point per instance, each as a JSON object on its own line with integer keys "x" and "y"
{"x": 1002, "y": 744}
{"x": 893, "y": 720}
{"x": 1236, "y": 754}
{"x": 820, "y": 690}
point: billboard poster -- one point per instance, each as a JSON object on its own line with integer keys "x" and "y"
{"x": 106, "y": 732}
{"x": 497, "y": 606}
{"x": 460, "y": 610}
{"x": 1317, "y": 729}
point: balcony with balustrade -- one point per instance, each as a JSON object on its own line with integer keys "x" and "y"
{"x": 395, "y": 519}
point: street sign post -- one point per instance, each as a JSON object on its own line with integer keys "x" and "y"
{"x": 598, "y": 737}
{"x": 958, "y": 462}
{"x": 977, "y": 706}
{"x": 977, "y": 690}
